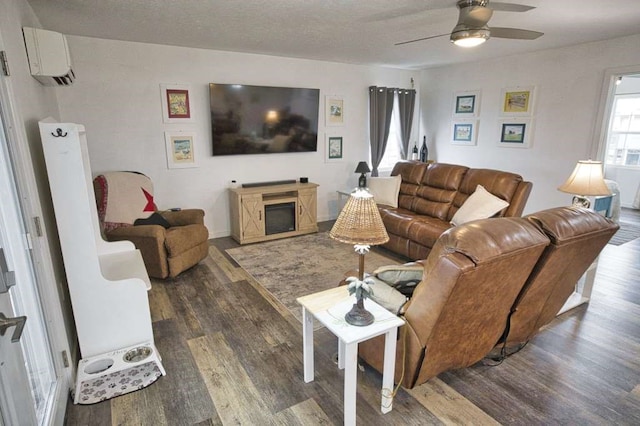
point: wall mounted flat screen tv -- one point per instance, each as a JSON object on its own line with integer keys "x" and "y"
{"x": 263, "y": 120}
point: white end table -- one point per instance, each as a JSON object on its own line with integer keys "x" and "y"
{"x": 329, "y": 307}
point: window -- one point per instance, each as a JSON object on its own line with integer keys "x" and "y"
{"x": 623, "y": 144}
{"x": 393, "y": 153}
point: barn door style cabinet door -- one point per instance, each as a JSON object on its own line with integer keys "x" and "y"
{"x": 262, "y": 213}
{"x": 307, "y": 210}
{"x": 252, "y": 216}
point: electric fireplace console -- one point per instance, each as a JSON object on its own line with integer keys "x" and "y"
{"x": 262, "y": 213}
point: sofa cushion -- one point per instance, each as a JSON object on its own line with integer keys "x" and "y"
{"x": 411, "y": 173}
{"x": 426, "y": 230}
{"x": 480, "y": 205}
{"x": 501, "y": 184}
{"x": 385, "y": 189}
{"x": 438, "y": 190}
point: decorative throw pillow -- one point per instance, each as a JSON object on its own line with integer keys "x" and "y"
{"x": 385, "y": 190}
{"x": 404, "y": 278}
{"x": 387, "y": 296}
{"x": 480, "y": 205}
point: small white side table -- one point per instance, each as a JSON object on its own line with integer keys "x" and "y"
{"x": 343, "y": 196}
{"x": 329, "y": 307}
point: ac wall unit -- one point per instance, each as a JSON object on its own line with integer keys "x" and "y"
{"x": 49, "y": 59}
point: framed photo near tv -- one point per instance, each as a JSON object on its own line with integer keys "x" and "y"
{"x": 334, "y": 113}
{"x": 176, "y": 103}
{"x": 515, "y": 133}
{"x": 334, "y": 149}
{"x": 180, "y": 149}
{"x": 466, "y": 104}
{"x": 517, "y": 101}
{"x": 464, "y": 132}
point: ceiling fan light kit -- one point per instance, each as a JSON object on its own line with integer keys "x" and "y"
{"x": 470, "y": 37}
{"x": 472, "y": 28}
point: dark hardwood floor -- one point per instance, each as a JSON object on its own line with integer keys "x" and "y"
{"x": 234, "y": 356}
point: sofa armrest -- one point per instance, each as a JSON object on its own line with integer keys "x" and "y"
{"x": 184, "y": 217}
{"x": 519, "y": 200}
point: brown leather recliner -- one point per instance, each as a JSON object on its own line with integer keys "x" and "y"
{"x": 170, "y": 241}
{"x": 456, "y": 314}
{"x": 577, "y": 237}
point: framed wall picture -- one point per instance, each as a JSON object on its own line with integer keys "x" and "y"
{"x": 180, "y": 149}
{"x": 176, "y": 103}
{"x": 517, "y": 101}
{"x": 466, "y": 104}
{"x": 515, "y": 133}
{"x": 464, "y": 132}
{"x": 334, "y": 111}
{"x": 334, "y": 149}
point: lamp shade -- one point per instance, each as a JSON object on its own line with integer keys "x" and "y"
{"x": 586, "y": 179}
{"x": 359, "y": 221}
{"x": 362, "y": 167}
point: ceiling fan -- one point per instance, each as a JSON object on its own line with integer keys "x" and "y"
{"x": 472, "y": 29}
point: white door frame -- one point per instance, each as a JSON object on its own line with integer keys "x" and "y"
{"x": 49, "y": 287}
{"x": 17, "y": 404}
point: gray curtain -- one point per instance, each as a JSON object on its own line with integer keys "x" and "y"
{"x": 406, "y": 103}
{"x": 380, "y": 108}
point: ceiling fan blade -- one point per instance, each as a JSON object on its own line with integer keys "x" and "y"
{"x": 509, "y": 7}
{"x": 475, "y": 16}
{"x": 514, "y": 33}
{"x": 420, "y": 39}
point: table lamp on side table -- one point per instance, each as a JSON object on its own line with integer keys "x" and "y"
{"x": 363, "y": 169}
{"x": 359, "y": 223}
{"x": 586, "y": 180}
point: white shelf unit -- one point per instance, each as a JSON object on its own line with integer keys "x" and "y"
{"x": 107, "y": 281}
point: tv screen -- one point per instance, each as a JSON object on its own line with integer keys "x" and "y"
{"x": 263, "y": 120}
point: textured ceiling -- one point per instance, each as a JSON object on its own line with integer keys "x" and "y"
{"x": 358, "y": 31}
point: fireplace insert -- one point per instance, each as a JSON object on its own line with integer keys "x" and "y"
{"x": 280, "y": 218}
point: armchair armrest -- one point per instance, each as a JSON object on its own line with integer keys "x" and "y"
{"x": 150, "y": 240}
{"x": 141, "y": 231}
{"x": 184, "y": 217}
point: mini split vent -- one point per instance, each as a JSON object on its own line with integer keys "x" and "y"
{"x": 49, "y": 59}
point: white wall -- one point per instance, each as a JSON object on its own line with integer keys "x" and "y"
{"x": 568, "y": 82}
{"x": 117, "y": 97}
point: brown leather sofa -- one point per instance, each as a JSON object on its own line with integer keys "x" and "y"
{"x": 577, "y": 237}
{"x": 482, "y": 273}
{"x": 430, "y": 195}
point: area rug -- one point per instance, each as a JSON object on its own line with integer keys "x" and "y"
{"x": 294, "y": 267}
{"x": 627, "y": 232}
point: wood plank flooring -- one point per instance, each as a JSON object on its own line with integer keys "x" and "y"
{"x": 233, "y": 356}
